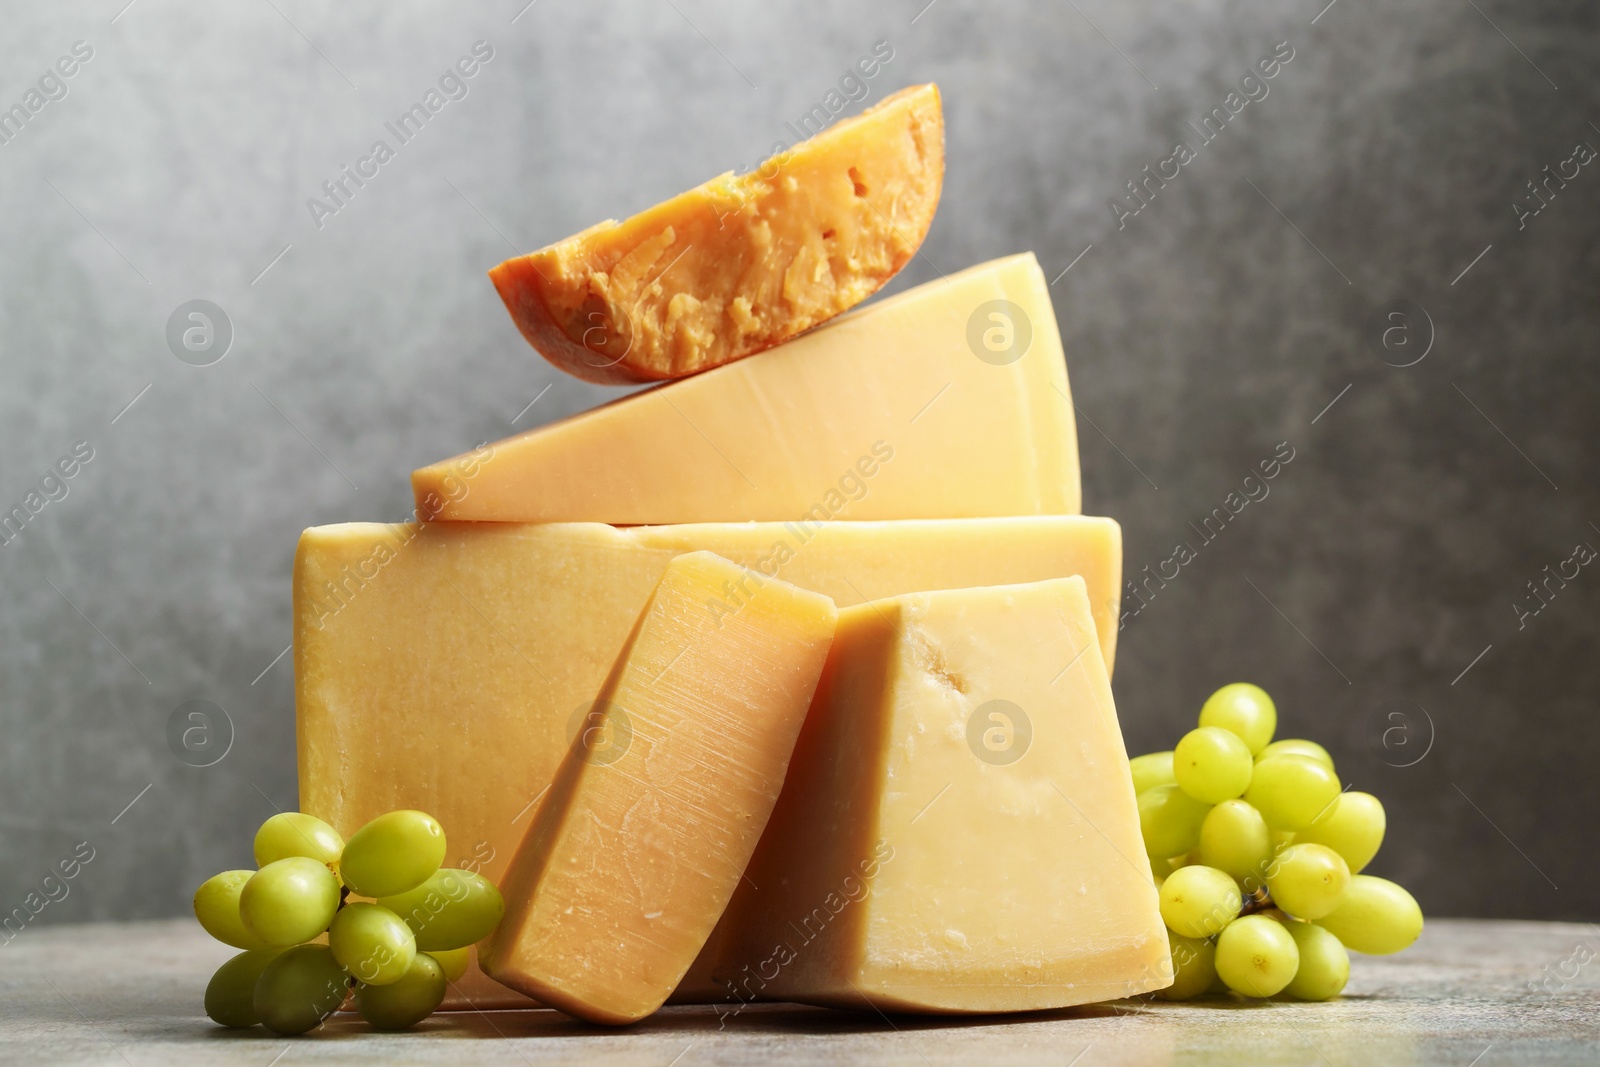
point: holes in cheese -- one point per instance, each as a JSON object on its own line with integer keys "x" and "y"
{"x": 657, "y": 806}
{"x": 743, "y": 262}
{"x": 958, "y": 830}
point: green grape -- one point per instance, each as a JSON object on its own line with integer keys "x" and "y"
{"x": 1244, "y": 709}
{"x": 1324, "y": 963}
{"x": 289, "y": 901}
{"x": 372, "y": 943}
{"x": 299, "y": 989}
{"x": 1376, "y": 917}
{"x": 453, "y": 961}
{"x": 1212, "y": 765}
{"x": 1150, "y": 770}
{"x": 392, "y": 854}
{"x": 1308, "y": 881}
{"x": 1199, "y": 901}
{"x": 230, "y": 995}
{"x": 1296, "y": 746}
{"x": 216, "y": 905}
{"x": 1169, "y": 820}
{"x": 1352, "y": 826}
{"x": 1256, "y": 956}
{"x": 452, "y": 909}
{"x": 291, "y": 833}
{"x": 1194, "y": 967}
{"x": 407, "y": 1002}
{"x": 1290, "y": 792}
{"x": 1234, "y": 838}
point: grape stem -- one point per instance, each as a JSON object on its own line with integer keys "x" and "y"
{"x": 1257, "y": 900}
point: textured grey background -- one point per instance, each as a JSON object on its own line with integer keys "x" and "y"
{"x": 1223, "y": 319}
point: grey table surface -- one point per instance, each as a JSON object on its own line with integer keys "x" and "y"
{"x": 1470, "y": 992}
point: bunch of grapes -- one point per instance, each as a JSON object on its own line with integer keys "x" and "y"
{"x": 1257, "y": 854}
{"x": 307, "y": 942}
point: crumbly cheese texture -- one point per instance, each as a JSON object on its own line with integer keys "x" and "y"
{"x": 447, "y": 667}
{"x": 743, "y": 262}
{"x": 949, "y": 400}
{"x": 958, "y": 831}
{"x": 658, "y": 805}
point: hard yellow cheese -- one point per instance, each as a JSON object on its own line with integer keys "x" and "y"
{"x": 946, "y": 401}
{"x": 641, "y": 839}
{"x": 958, "y": 831}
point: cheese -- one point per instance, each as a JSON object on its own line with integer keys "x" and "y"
{"x": 946, "y": 401}
{"x": 742, "y": 262}
{"x": 958, "y": 831}
{"x": 432, "y": 655}
{"x": 647, "y": 828}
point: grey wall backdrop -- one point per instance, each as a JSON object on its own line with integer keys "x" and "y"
{"x": 1375, "y": 590}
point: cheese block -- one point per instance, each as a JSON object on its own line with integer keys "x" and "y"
{"x": 643, "y": 835}
{"x": 742, "y": 262}
{"x": 958, "y": 831}
{"x": 431, "y": 655}
{"x": 949, "y": 400}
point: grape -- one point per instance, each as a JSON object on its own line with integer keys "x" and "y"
{"x": 1324, "y": 963}
{"x": 453, "y": 961}
{"x": 372, "y": 943}
{"x": 1212, "y": 765}
{"x": 230, "y": 995}
{"x": 1353, "y": 827}
{"x": 1297, "y": 746}
{"x": 1234, "y": 838}
{"x": 1150, "y": 770}
{"x": 291, "y": 833}
{"x": 407, "y": 1002}
{"x": 299, "y": 989}
{"x": 1256, "y": 956}
{"x": 289, "y": 900}
{"x": 1169, "y": 820}
{"x": 1244, "y": 709}
{"x": 452, "y": 909}
{"x": 216, "y": 905}
{"x": 1308, "y": 881}
{"x": 1199, "y": 901}
{"x": 392, "y": 853}
{"x": 1291, "y": 791}
{"x": 1193, "y": 967}
{"x": 1376, "y": 916}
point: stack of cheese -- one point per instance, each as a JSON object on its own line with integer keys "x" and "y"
{"x": 786, "y": 680}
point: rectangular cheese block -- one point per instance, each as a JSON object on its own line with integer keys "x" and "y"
{"x": 949, "y": 400}
{"x": 448, "y": 666}
{"x": 958, "y": 831}
{"x": 661, "y": 799}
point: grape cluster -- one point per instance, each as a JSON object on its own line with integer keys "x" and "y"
{"x": 1257, "y": 854}
{"x": 398, "y": 949}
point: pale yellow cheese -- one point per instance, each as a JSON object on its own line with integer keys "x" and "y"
{"x": 958, "y": 831}
{"x": 949, "y": 400}
{"x": 642, "y": 838}
{"x": 447, "y": 666}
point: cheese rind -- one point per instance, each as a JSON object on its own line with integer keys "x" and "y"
{"x": 949, "y": 400}
{"x": 958, "y": 831}
{"x": 743, "y": 262}
{"x": 429, "y": 655}
{"x": 653, "y": 814}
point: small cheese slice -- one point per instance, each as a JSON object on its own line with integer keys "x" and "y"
{"x": 958, "y": 831}
{"x": 432, "y": 655}
{"x": 644, "y": 834}
{"x": 949, "y": 400}
{"x": 740, "y": 263}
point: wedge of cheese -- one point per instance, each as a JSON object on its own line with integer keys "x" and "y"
{"x": 958, "y": 831}
{"x": 432, "y": 655}
{"x": 946, "y": 401}
{"x": 644, "y": 834}
{"x": 740, "y": 263}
